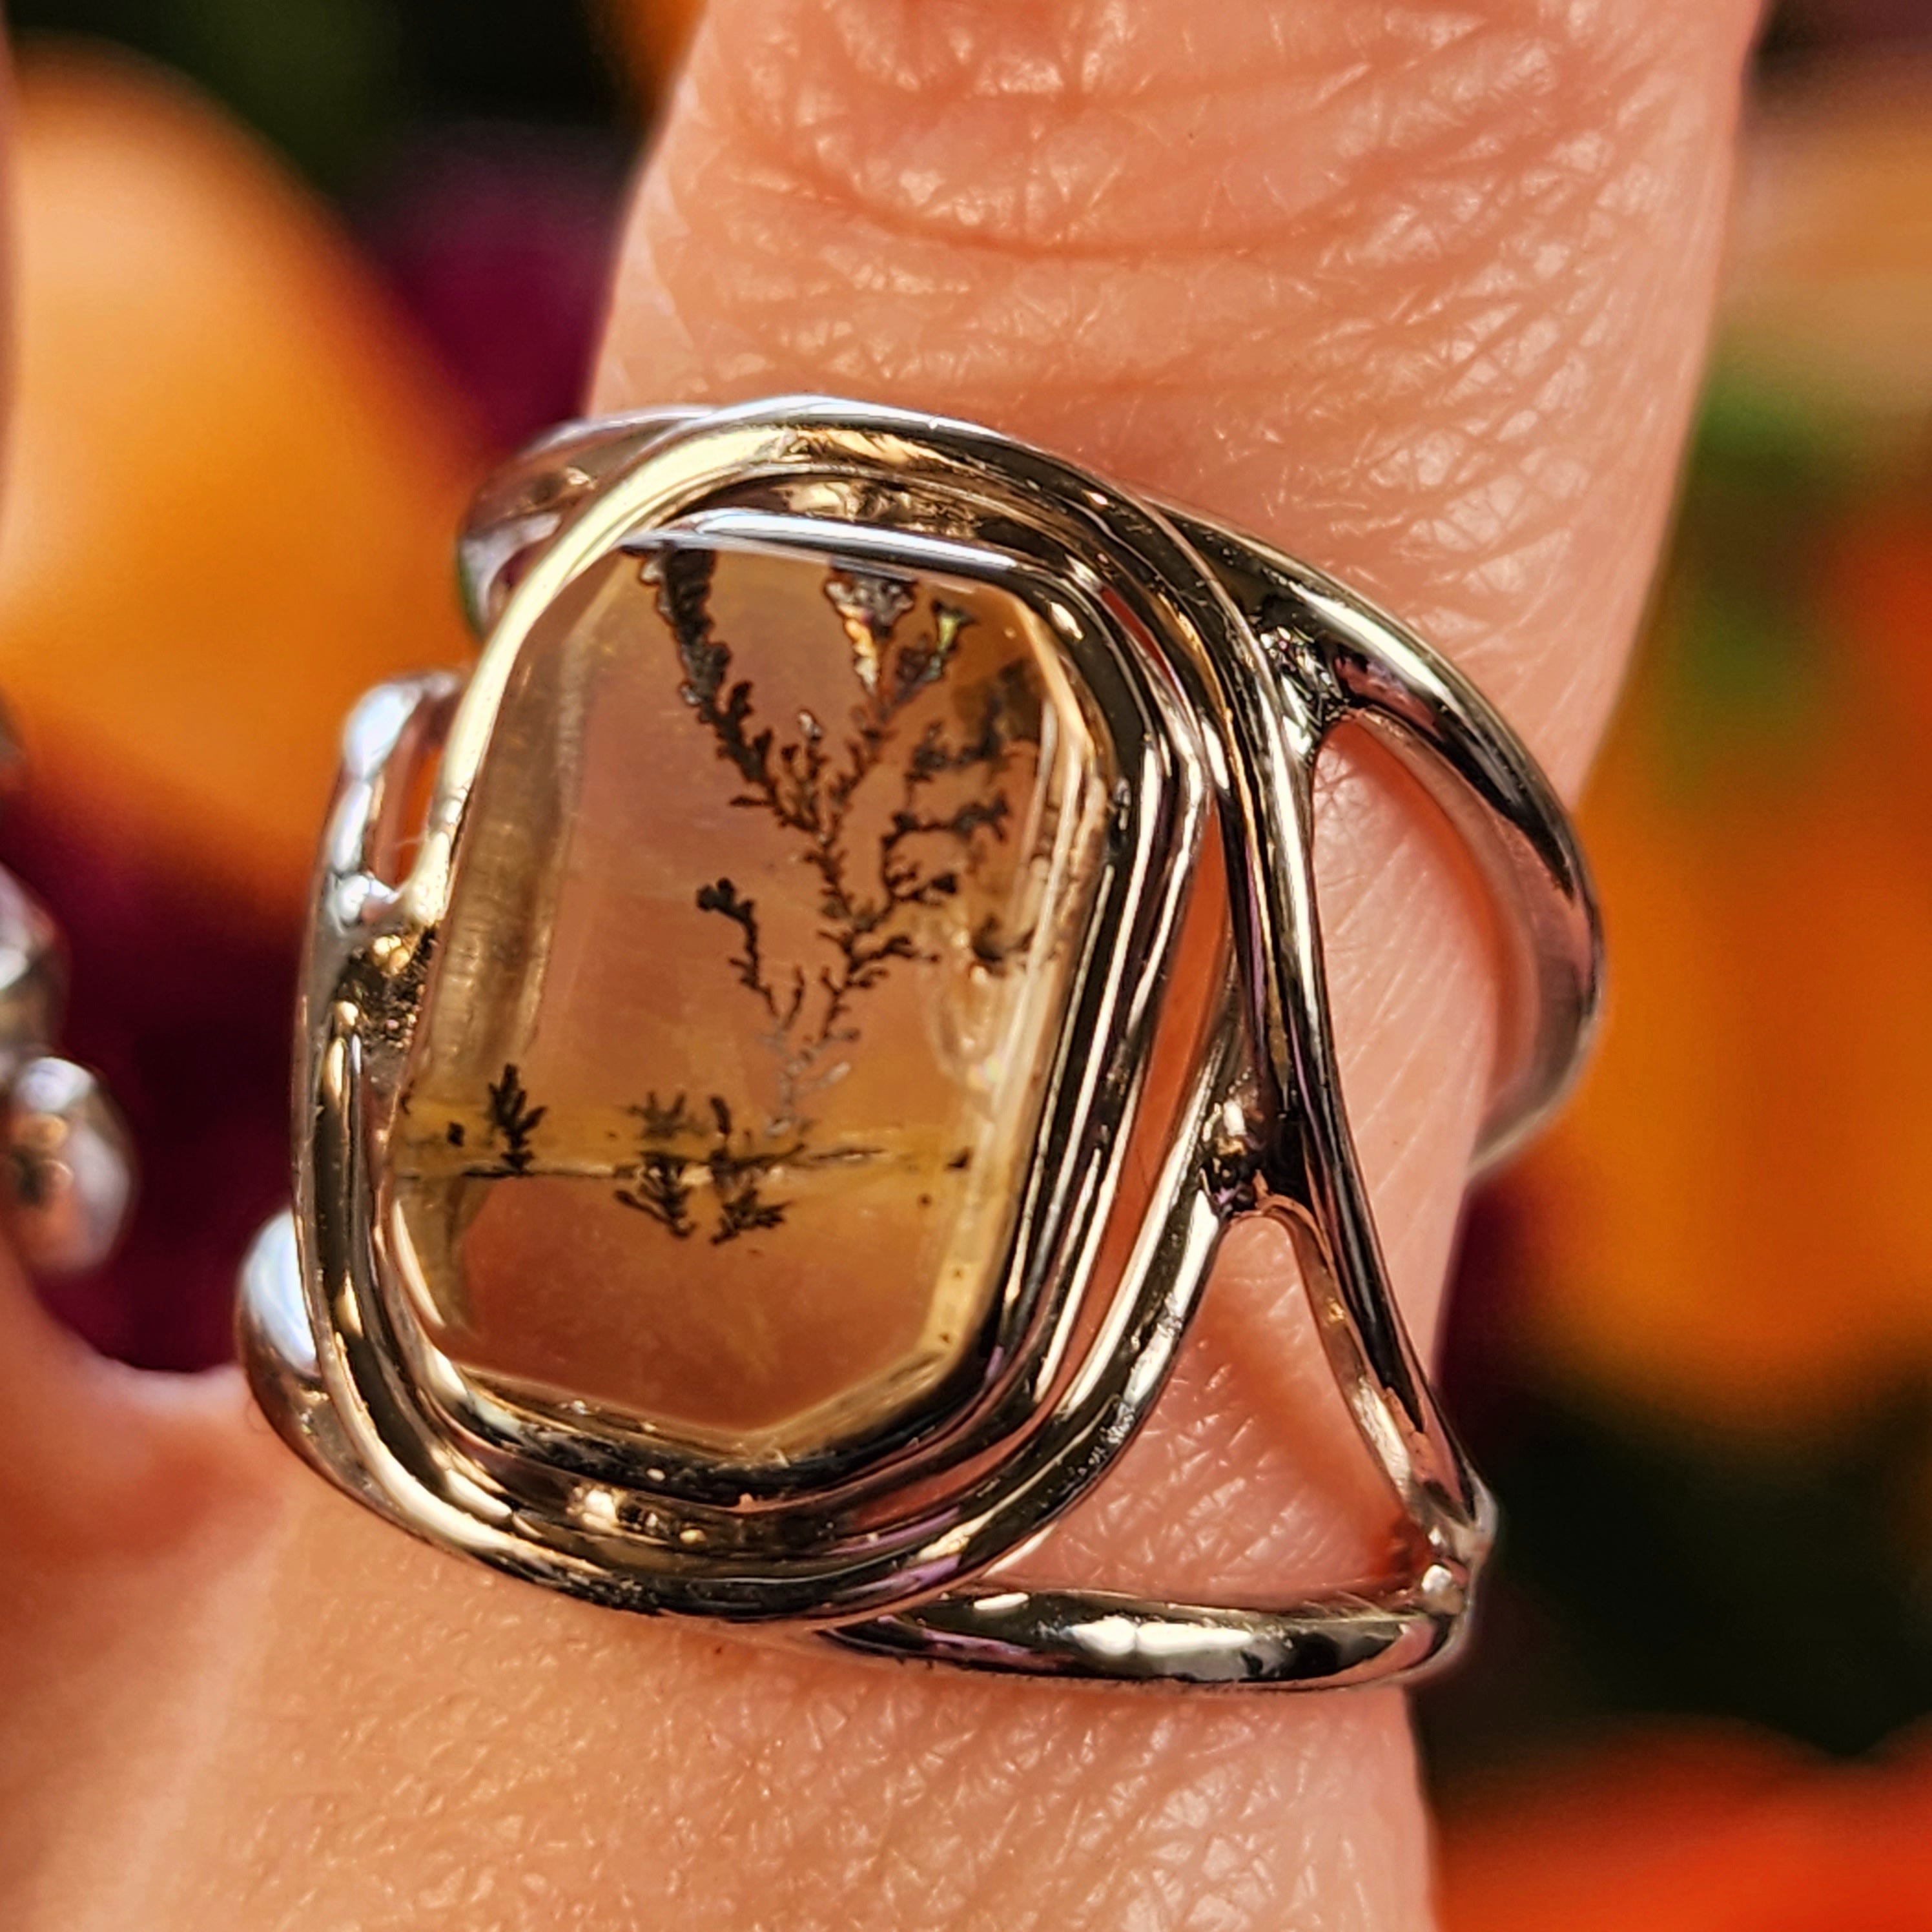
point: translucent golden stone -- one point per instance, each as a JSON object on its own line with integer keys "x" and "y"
{"x": 769, "y": 892}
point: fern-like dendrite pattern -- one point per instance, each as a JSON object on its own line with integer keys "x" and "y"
{"x": 816, "y": 786}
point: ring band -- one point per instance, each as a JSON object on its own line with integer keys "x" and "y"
{"x": 66, "y": 1162}
{"x": 759, "y": 1157}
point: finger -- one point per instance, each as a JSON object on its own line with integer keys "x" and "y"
{"x": 1428, "y": 297}
{"x": 1419, "y": 294}
{"x": 159, "y": 466}
{"x": 83, "y": 1439}
{"x": 174, "y": 765}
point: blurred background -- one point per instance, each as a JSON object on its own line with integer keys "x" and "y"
{"x": 294, "y": 275}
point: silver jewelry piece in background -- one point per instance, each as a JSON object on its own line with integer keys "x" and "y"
{"x": 1225, "y": 666}
{"x": 66, "y": 1166}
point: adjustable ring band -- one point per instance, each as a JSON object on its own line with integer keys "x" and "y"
{"x": 766, "y": 1126}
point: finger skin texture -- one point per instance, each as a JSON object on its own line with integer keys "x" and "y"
{"x": 1420, "y": 294}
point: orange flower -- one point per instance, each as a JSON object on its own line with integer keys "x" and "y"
{"x": 1696, "y": 1830}
{"x": 1735, "y": 1222}
{"x": 233, "y": 484}
{"x": 1735, "y": 1217}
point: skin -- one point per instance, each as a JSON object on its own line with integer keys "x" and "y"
{"x": 1419, "y": 292}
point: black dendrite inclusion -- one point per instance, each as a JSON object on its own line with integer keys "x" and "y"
{"x": 812, "y": 793}
{"x": 512, "y": 1121}
{"x": 876, "y": 887}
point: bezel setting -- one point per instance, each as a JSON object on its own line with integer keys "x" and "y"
{"x": 1211, "y": 670}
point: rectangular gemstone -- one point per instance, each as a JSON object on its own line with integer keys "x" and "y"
{"x": 768, "y": 895}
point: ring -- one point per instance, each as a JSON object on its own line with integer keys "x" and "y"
{"x": 784, "y": 1037}
{"x": 67, "y": 1163}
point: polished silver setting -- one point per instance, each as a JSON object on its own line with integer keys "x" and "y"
{"x": 67, "y": 1163}
{"x": 71, "y": 1179}
{"x": 1219, "y": 668}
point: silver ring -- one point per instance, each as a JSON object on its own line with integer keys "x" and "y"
{"x": 66, "y": 1162}
{"x": 765, "y": 1124}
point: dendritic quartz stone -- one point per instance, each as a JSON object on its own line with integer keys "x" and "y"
{"x": 762, "y": 930}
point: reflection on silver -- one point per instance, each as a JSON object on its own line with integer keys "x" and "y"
{"x": 1222, "y": 667}
{"x": 33, "y": 973}
{"x": 71, "y": 1171}
{"x": 66, "y": 1166}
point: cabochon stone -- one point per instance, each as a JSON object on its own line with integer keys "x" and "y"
{"x": 760, "y": 934}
